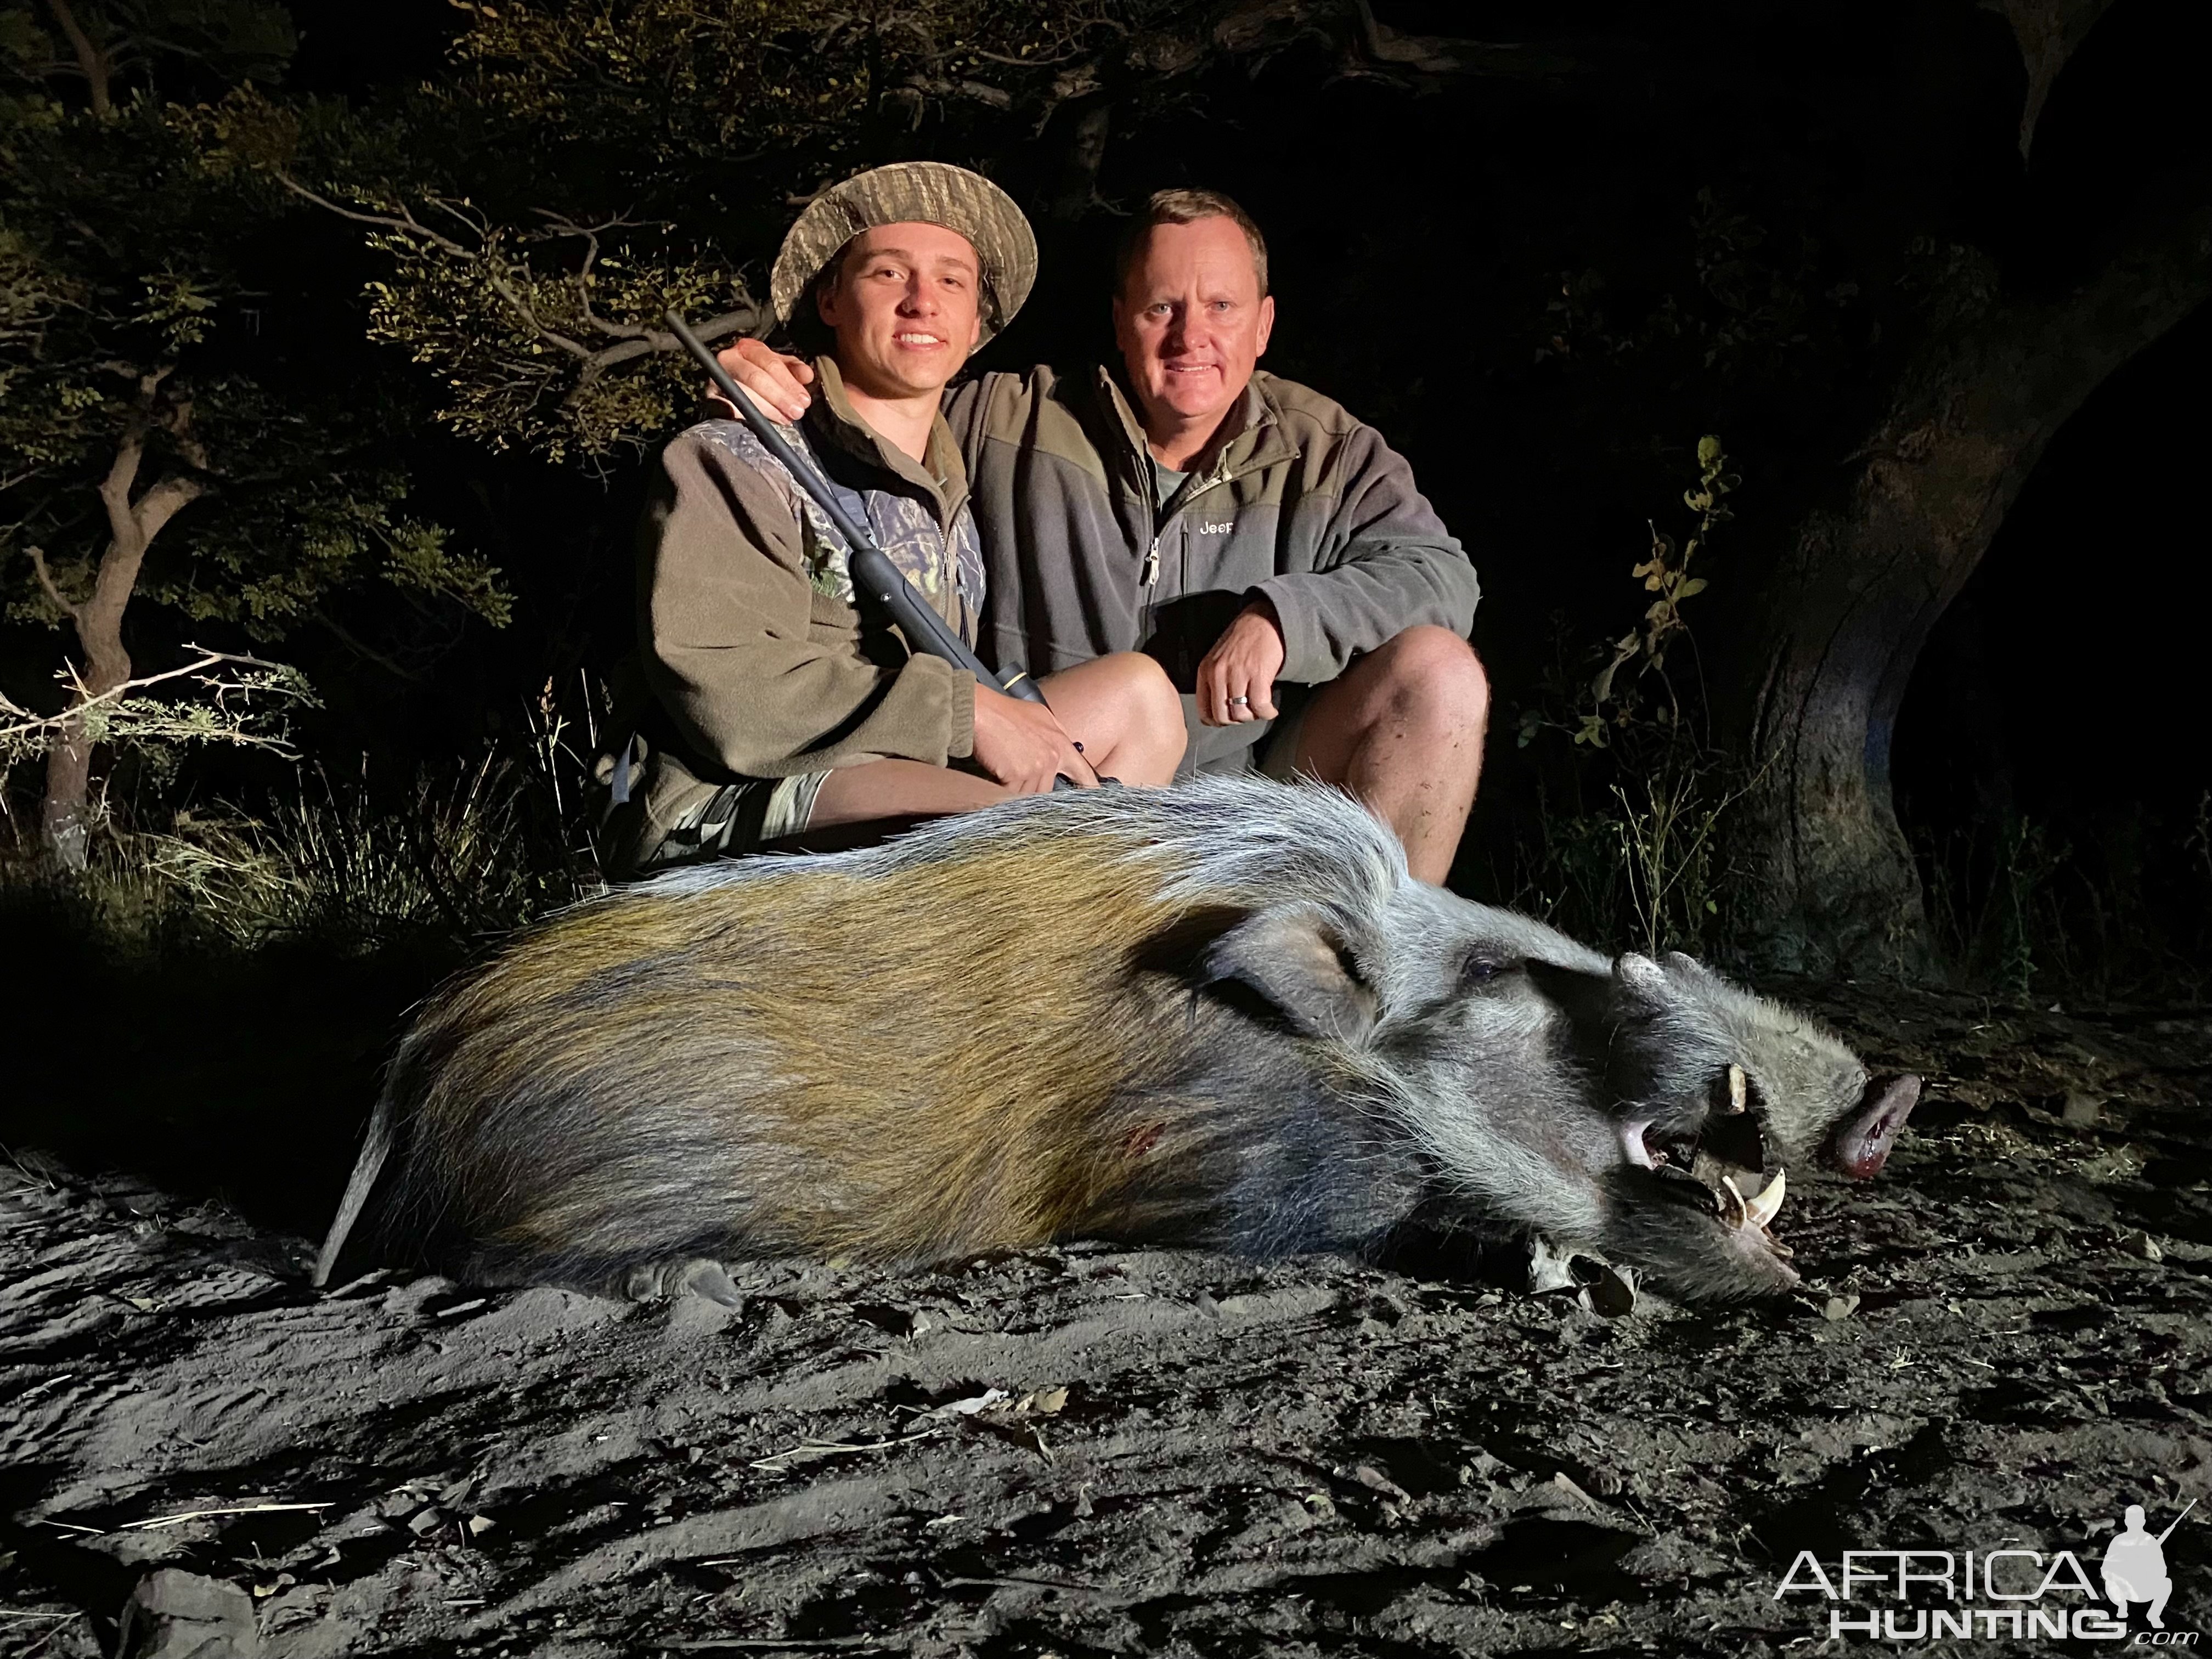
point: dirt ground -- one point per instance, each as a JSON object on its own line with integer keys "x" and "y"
{"x": 1090, "y": 1450}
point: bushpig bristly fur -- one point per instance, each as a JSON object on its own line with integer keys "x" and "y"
{"x": 1222, "y": 1014}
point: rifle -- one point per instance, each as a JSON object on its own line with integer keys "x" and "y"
{"x": 2176, "y": 1521}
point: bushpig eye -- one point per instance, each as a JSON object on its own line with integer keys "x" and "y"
{"x": 1480, "y": 970}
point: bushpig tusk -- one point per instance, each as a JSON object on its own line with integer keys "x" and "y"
{"x": 1762, "y": 1208}
{"x": 1742, "y": 1208}
{"x": 1739, "y": 1089}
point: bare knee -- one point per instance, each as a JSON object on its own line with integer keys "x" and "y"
{"x": 1432, "y": 674}
{"x": 1136, "y": 676}
{"x": 1144, "y": 689}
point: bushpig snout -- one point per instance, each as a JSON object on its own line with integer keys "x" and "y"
{"x": 1860, "y": 1145}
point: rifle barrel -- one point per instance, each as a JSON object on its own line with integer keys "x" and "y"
{"x": 2176, "y": 1521}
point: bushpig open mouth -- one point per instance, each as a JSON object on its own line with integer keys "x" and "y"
{"x": 1705, "y": 1160}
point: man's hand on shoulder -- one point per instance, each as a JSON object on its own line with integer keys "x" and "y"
{"x": 1243, "y": 663}
{"x": 779, "y": 382}
{"x": 1021, "y": 744}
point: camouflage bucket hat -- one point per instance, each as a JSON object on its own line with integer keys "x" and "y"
{"x": 923, "y": 192}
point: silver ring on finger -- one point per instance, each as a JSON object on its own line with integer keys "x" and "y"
{"x": 1240, "y": 703}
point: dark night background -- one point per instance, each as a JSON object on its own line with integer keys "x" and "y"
{"x": 1543, "y": 288}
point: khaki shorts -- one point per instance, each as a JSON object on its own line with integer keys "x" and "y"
{"x": 740, "y": 816}
{"x": 676, "y": 819}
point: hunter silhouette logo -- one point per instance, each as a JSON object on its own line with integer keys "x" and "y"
{"x": 2004, "y": 1595}
{"x": 2134, "y": 1566}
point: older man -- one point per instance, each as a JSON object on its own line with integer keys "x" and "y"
{"x": 780, "y": 710}
{"x": 1267, "y": 549}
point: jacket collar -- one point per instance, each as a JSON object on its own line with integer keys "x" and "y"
{"x": 1257, "y": 437}
{"x": 941, "y": 473}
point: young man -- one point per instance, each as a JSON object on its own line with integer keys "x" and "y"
{"x": 781, "y": 710}
{"x": 1269, "y": 549}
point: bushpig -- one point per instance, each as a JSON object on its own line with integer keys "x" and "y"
{"x": 1221, "y": 1015}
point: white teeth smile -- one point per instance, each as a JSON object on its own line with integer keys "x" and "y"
{"x": 918, "y": 339}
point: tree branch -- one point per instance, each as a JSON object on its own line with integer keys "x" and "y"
{"x": 2047, "y": 33}
{"x": 367, "y": 653}
{"x": 47, "y": 579}
{"x": 178, "y": 423}
{"x": 1251, "y": 27}
{"x": 115, "y": 488}
{"x": 162, "y": 502}
{"x": 408, "y": 225}
{"x": 654, "y": 340}
{"x": 22, "y": 731}
{"x": 633, "y": 340}
{"x": 551, "y": 309}
{"x": 1439, "y": 54}
{"x": 91, "y": 61}
{"x": 560, "y": 225}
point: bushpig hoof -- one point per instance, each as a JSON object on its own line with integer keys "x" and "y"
{"x": 700, "y": 1276}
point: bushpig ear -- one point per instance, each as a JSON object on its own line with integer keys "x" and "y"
{"x": 1638, "y": 972}
{"x": 1292, "y": 962}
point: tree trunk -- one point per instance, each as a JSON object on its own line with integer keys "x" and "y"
{"x": 92, "y": 60}
{"x": 1840, "y": 621}
{"x": 64, "y": 818}
{"x": 63, "y": 815}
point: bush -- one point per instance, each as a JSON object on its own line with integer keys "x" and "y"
{"x": 1627, "y": 845}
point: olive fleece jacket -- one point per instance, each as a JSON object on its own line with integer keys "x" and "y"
{"x": 760, "y": 664}
{"x": 1299, "y": 502}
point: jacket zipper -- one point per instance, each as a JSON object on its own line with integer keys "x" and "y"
{"x": 1148, "y": 581}
{"x": 1148, "y": 575}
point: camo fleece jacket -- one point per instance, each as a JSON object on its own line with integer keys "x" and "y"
{"x": 1304, "y": 504}
{"x": 754, "y": 651}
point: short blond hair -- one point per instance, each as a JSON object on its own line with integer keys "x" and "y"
{"x": 1185, "y": 207}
